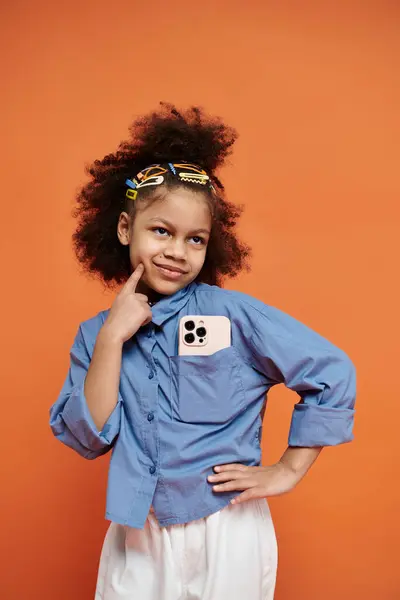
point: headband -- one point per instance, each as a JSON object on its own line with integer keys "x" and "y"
{"x": 154, "y": 175}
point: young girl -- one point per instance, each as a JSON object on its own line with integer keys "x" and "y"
{"x": 186, "y": 493}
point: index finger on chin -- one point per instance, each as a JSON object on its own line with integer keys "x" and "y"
{"x": 135, "y": 277}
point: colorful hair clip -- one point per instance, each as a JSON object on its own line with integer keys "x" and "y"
{"x": 153, "y": 180}
{"x": 191, "y": 167}
{"x": 154, "y": 175}
{"x": 193, "y": 174}
{"x": 132, "y": 183}
{"x": 194, "y": 178}
{"x": 131, "y": 193}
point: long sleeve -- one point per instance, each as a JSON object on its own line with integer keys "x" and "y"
{"x": 286, "y": 351}
{"x": 70, "y": 419}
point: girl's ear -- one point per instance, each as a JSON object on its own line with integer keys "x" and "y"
{"x": 124, "y": 229}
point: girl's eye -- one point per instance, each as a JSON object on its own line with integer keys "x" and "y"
{"x": 160, "y": 230}
{"x": 198, "y": 240}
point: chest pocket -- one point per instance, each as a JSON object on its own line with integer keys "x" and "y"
{"x": 207, "y": 389}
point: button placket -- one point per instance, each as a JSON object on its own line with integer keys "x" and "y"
{"x": 150, "y": 432}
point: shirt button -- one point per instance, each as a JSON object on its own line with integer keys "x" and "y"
{"x": 151, "y": 375}
{"x": 152, "y": 470}
{"x": 150, "y": 416}
{"x": 149, "y": 334}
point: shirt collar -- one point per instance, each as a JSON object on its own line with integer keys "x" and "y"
{"x": 169, "y": 306}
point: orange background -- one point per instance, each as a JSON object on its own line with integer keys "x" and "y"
{"x": 314, "y": 90}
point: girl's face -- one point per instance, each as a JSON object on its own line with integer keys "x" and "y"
{"x": 170, "y": 238}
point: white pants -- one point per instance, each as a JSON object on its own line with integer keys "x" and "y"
{"x": 229, "y": 554}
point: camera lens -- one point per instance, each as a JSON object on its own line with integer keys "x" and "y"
{"x": 189, "y": 325}
{"x": 201, "y": 332}
{"x": 189, "y": 338}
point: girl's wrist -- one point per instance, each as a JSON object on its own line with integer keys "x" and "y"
{"x": 109, "y": 336}
{"x": 299, "y": 460}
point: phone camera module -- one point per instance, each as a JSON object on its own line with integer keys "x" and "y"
{"x": 189, "y": 338}
{"x": 201, "y": 332}
{"x": 189, "y": 325}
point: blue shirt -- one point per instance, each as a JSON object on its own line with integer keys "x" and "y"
{"x": 177, "y": 417}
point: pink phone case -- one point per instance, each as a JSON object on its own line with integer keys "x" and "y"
{"x": 203, "y": 335}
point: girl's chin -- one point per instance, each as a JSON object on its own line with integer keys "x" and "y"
{"x": 161, "y": 286}
{"x": 166, "y": 288}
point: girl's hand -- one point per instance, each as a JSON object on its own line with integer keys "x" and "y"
{"x": 129, "y": 311}
{"x": 254, "y": 482}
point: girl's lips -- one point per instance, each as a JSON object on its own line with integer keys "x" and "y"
{"x": 169, "y": 273}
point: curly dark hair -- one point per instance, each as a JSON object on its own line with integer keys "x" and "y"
{"x": 162, "y": 136}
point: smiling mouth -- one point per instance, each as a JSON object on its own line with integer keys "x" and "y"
{"x": 171, "y": 272}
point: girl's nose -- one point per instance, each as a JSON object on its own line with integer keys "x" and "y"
{"x": 176, "y": 249}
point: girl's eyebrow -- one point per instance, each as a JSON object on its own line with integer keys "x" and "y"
{"x": 171, "y": 226}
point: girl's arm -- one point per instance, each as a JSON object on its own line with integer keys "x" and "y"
{"x": 102, "y": 379}
{"x": 70, "y": 418}
{"x": 129, "y": 311}
{"x": 288, "y": 352}
{"x": 87, "y": 414}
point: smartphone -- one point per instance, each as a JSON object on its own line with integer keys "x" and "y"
{"x": 202, "y": 335}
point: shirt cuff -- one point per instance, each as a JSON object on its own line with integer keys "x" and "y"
{"x": 79, "y": 421}
{"x": 320, "y": 426}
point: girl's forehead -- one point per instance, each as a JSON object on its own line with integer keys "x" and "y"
{"x": 181, "y": 207}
